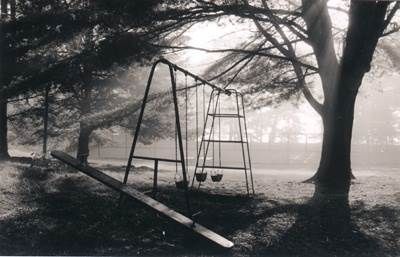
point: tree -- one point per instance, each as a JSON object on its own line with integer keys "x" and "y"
{"x": 6, "y": 43}
{"x": 341, "y": 81}
{"x": 3, "y": 128}
{"x": 279, "y": 30}
{"x": 58, "y": 25}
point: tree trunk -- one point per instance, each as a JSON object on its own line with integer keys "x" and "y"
{"x": 45, "y": 120}
{"x": 83, "y": 143}
{"x": 334, "y": 173}
{"x": 13, "y": 9}
{"x": 3, "y": 6}
{"x": 3, "y": 128}
{"x": 3, "y": 99}
{"x": 366, "y": 23}
{"x": 84, "y": 129}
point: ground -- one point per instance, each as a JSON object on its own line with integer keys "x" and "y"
{"x": 59, "y": 211}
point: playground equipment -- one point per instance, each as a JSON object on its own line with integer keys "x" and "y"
{"x": 214, "y": 111}
{"x": 144, "y": 199}
{"x": 181, "y": 152}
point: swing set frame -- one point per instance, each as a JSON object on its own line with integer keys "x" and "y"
{"x": 205, "y": 143}
{"x": 172, "y": 69}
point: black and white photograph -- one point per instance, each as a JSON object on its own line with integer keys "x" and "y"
{"x": 200, "y": 128}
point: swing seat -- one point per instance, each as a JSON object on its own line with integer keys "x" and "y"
{"x": 201, "y": 177}
{"x": 217, "y": 177}
{"x": 181, "y": 184}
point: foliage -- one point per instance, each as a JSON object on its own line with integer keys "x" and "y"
{"x": 79, "y": 49}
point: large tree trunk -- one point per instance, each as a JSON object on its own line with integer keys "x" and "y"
{"x": 366, "y": 24}
{"x": 334, "y": 173}
{"x": 3, "y": 128}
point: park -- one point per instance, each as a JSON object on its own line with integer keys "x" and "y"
{"x": 199, "y": 128}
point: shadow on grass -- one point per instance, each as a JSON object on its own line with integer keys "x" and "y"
{"x": 73, "y": 215}
{"x": 311, "y": 235}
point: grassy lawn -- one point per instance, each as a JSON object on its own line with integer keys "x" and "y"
{"x": 63, "y": 212}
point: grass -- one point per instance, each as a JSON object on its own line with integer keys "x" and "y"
{"x": 61, "y": 212}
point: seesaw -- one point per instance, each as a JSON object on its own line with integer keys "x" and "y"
{"x": 144, "y": 199}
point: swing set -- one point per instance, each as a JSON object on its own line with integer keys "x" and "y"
{"x": 210, "y": 136}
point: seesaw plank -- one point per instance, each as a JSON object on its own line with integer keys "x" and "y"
{"x": 144, "y": 199}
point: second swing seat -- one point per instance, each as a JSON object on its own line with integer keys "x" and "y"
{"x": 216, "y": 177}
{"x": 201, "y": 177}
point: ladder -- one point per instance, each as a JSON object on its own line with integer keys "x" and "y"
{"x": 208, "y": 138}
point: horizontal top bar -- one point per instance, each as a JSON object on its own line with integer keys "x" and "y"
{"x": 176, "y": 67}
{"x": 155, "y": 159}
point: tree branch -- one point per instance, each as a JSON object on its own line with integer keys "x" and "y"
{"x": 319, "y": 30}
{"x": 389, "y": 17}
{"x": 297, "y": 68}
{"x": 234, "y": 50}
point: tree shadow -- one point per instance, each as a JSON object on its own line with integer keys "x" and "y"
{"x": 70, "y": 214}
{"x": 333, "y": 230}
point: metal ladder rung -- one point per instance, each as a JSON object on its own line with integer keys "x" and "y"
{"x": 226, "y": 115}
{"x": 223, "y": 167}
{"x": 225, "y": 141}
{"x": 204, "y": 143}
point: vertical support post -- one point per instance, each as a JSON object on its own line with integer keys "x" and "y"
{"x": 197, "y": 121}
{"x": 139, "y": 123}
{"x": 248, "y": 147}
{"x": 186, "y": 125}
{"x": 155, "y": 189}
{"x": 241, "y": 140}
{"x": 219, "y": 134}
{"x": 179, "y": 132}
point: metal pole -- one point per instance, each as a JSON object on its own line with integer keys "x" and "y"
{"x": 179, "y": 132}
{"x": 219, "y": 133}
{"x": 197, "y": 122}
{"x": 186, "y": 126}
{"x": 248, "y": 147}
{"x": 139, "y": 123}
{"x": 176, "y": 67}
{"x": 241, "y": 139}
